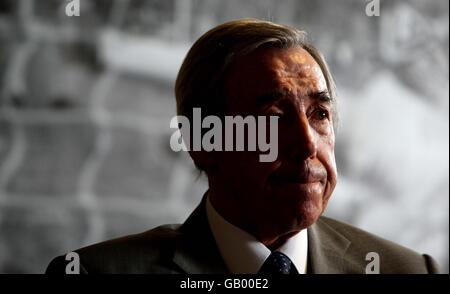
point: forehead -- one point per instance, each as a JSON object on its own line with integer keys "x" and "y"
{"x": 268, "y": 69}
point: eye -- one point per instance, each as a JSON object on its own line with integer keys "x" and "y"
{"x": 320, "y": 114}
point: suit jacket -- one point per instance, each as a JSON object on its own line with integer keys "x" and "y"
{"x": 333, "y": 248}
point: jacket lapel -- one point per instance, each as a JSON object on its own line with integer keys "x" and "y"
{"x": 196, "y": 251}
{"x": 326, "y": 249}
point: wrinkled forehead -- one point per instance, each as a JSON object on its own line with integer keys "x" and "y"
{"x": 270, "y": 68}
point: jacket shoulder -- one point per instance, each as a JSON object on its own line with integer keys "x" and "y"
{"x": 393, "y": 258}
{"x": 147, "y": 252}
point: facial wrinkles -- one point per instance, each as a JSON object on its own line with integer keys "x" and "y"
{"x": 302, "y": 79}
{"x": 298, "y": 80}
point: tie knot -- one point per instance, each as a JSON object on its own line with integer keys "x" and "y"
{"x": 278, "y": 263}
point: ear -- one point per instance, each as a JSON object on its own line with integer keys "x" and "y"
{"x": 204, "y": 159}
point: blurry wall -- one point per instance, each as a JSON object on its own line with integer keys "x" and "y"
{"x": 85, "y": 105}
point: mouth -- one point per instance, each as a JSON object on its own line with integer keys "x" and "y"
{"x": 300, "y": 186}
{"x": 299, "y": 180}
{"x": 307, "y": 174}
{"x": 305, "y": 177}
{"x": 300, "y": 191}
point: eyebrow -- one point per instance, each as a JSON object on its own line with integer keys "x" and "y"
{"x": 322, "y": 96}
{"x": 269, "y": 97}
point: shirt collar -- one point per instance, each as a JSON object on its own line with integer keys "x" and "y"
{"x": 243, "y": 253}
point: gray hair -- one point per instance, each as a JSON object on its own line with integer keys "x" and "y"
{"x": 200, "y": 80}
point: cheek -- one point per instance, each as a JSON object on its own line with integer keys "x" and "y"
{"x": 327, "y": 157}
{"x": 245, "y": 168}
{"x": 332, "y": 172}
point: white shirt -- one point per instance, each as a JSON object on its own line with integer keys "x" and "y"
{"x": 243, "y": 253}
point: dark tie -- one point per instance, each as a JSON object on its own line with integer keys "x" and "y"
{"x": 278, "y": 264}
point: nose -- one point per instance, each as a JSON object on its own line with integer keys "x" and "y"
{"x": 303, "y": 144}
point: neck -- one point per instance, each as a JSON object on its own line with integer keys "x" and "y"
{"x": 230, "y": 206}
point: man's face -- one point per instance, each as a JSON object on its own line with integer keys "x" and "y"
{"x": 290, "y": 193}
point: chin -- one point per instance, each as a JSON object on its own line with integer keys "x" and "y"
{"x": 307, "y": 214}
{"x": 297, "y": 206}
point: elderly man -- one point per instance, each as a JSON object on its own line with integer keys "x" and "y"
{"x": 258, "y": 217}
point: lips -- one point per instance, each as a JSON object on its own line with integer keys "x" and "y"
{"x": 305, "y": 175}
{"x": 300, "y": 180}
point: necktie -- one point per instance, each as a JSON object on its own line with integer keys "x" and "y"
{"x": 278, "y": 264}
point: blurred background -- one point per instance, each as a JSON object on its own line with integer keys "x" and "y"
{"x": 86, "y": 101}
